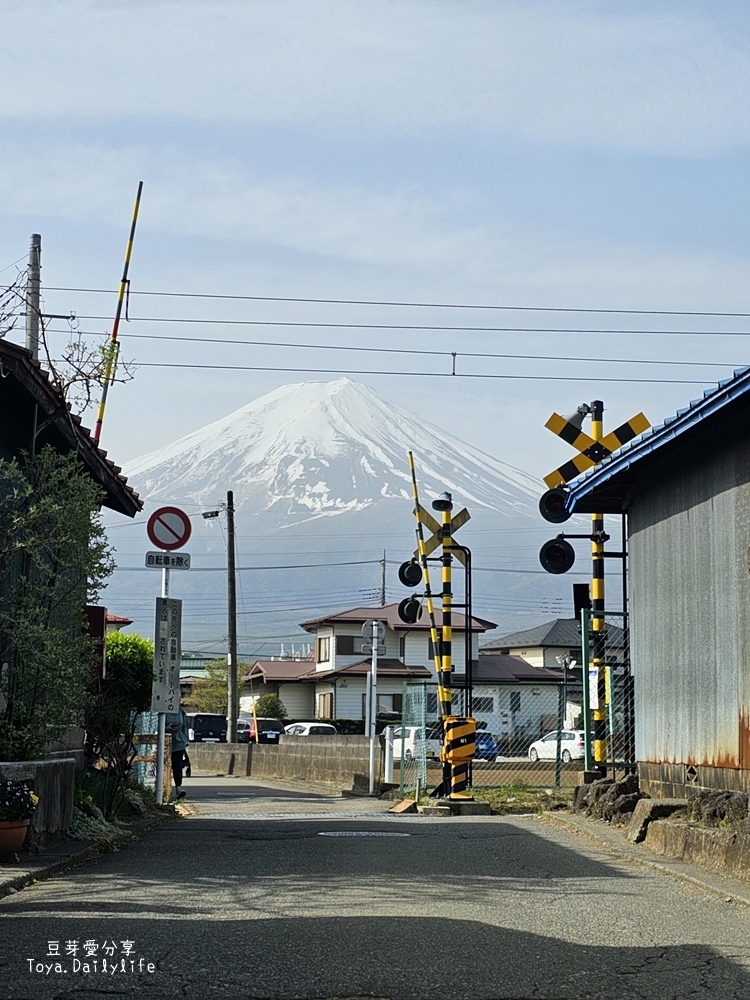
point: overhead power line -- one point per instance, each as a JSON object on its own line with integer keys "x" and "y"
{"x": 407, "y": 304}
{"x": 410, "y": 350}
{"x": 420, "y": 328}
{"x": 414, "y": 374}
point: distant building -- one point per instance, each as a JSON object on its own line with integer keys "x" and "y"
{"x": 117, "y": 622}
{"x": 542, "y": 646}
{"x": 333, "y": 683}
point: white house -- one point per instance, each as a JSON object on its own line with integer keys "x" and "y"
{"x": 334, "y": 683}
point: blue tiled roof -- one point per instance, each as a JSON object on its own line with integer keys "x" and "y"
{"x": 714, "y": 399}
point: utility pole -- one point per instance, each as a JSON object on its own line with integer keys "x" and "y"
{"x": 598, "y": 623}
{"x": 232, "y": 706}
{"x": 33, "y": 285}
{"x": 382, "y": 581}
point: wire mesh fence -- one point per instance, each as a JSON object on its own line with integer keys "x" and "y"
{"x": 532, "y": 731}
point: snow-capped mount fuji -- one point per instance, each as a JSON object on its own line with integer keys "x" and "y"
{"x": 323, "y": 502}
{"x": 320, "y": 449}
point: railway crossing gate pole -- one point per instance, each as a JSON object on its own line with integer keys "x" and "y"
{"x": 558, "y": 556}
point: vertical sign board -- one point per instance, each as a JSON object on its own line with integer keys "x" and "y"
{"x": 165, "y": 692}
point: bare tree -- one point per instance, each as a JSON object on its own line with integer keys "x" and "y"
{"x": 82, "y": 369}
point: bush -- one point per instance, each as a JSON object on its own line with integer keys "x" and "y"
{"x": 270, "y": 706}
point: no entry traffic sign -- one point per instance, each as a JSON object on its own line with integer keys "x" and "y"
{"x": 168, "y": 528}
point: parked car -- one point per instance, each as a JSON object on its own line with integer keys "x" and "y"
{"x": 269, "y": 730}
{"x": 572, "y": 746}
{"x": 486, "y": 749}
{"x": 407, "y": 742}
{"x": 311, "y": 729}
{"x": 206, "y": 727}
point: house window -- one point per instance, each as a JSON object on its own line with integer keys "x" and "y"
{"x": 322, "y": 650}
{"x": 483, "y": 703}
{"x": 388, "y": 704}
{"x": 515, "y": 701}
{"x": 345, "y": 644}
{"x": 402, "y": 648}
{"x": 432, "y": 704}
{"x": 325, "y": 706}
{"x": 431, "y": 649}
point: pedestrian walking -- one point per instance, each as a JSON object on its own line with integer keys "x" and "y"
{"x": 177, "y": 727}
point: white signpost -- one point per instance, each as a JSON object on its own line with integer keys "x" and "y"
{"x": 168, "y": 528}
{"x": 168, "y": 560}
{"x": 165, "y": 690}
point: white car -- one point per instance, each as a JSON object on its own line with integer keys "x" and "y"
{"x": 572, "y": 746}
{"x": 408, "y": 742}
{"x": 310, "y": 729}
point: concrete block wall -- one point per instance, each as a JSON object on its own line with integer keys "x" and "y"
{"x": 668, "y": 781}
{"x": 330, "y": 759}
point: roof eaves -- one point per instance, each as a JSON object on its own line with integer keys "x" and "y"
{"x": 714, "y": 399}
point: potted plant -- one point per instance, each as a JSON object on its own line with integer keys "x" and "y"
{"x": 17, "y": 805}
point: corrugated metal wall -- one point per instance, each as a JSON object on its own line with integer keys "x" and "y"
{"x": 690, "y": 612}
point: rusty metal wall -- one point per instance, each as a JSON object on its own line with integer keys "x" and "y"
{"x": 690, "y": 611}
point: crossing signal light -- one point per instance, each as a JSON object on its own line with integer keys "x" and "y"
{"x": 557, "y": 556}
{"x": 410, "y": 610}
{"x": 581, "y": 599}
{"x": 410, "y": 573}
{"x": 552, "y": 506}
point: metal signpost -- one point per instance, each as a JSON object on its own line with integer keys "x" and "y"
{"x": 165, "y": 690}
{"x": 168, "y": 528}
{"x": 373, "y": 632}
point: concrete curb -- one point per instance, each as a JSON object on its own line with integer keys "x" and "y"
{"x": 69, "y": 854}
{"x": 717, "y": 883}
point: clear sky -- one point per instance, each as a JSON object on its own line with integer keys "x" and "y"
{"x": 553, "y": 156}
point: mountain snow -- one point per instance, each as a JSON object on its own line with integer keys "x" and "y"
{"x": 323, "y": 448}
{"x": 323, "y": 501}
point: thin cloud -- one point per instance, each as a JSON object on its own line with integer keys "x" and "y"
{"x": 609, "y": 77}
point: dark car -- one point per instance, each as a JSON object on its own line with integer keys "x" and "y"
{"x": 269, "y": 730}
{"x": 206, "y": 727}
{"x": 486, "y": 746}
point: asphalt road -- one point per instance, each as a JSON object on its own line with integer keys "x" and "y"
{"x": 269, "y": 892}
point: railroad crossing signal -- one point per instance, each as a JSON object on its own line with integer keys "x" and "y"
{"x": 436, "y": 538}
{"x": 590, "y": 451}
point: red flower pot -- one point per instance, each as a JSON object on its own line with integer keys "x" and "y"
{"x": 12, "y": 835}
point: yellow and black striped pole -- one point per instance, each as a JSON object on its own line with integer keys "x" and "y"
{"x": 459, "y": 740}
{"x": 113, "y": 345}
{"x": 597, "y": 607}
{"x": 422, "y": 550}
{"x": 445, "y": 694}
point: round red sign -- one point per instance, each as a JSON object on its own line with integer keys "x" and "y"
{"x": 168, "y": 528}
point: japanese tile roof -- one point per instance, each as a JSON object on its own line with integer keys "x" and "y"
{"x": 118, "y": 620}
{"x": 63, "y": 429}
{"x": 302, "y": 670}
{"x": 559, "y": 632}
{"x": 500, "y": 668}
{"x": 609, "y": 487}
{"x": 389, "y": 614}
{"x": 279, "y": 670}
{"x": 386, "y": 668}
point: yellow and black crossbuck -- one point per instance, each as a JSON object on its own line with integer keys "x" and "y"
{"x": 590, "y": 452}
{"x": 436, "y": 537}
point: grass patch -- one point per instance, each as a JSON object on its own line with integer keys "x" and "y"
{"x": 521, "y": 797}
